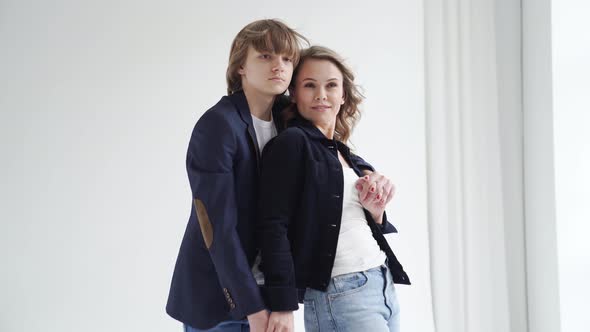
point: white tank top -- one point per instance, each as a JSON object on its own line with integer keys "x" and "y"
{"x": 357, "y": 250}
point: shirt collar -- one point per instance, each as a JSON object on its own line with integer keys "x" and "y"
{"x": 314, "y": 133}
{"x": 238, "y": 98}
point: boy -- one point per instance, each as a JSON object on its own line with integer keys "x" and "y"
{"x": 213, "y": 286}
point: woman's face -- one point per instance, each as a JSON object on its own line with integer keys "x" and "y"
{"x": 319, "y": 93}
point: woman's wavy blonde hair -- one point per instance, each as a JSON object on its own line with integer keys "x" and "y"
{"x": 349, "y": 111}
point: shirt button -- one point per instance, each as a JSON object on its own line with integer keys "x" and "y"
{"x": 333, "y": 225}
{"x": 336, "y": 196}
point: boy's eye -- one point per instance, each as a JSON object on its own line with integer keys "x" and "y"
{"x": 265, "y": 56}
{"x": 288, "y": 59}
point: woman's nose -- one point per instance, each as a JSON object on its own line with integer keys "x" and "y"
{"x": 321, "y": 95}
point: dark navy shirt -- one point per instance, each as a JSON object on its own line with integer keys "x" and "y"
{"x": 301, "y": 188}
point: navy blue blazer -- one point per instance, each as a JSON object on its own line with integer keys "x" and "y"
{"x": 301, "y": 211}
{"x": 212, "y": 280}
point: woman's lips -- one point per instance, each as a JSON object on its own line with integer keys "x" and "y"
{"x": 321, "y": 108}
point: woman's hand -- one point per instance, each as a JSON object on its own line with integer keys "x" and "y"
{"x": 280, "y": 321}
{"x": 375, "y": 191}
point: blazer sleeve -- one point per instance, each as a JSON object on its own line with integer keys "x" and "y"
{"x": 385, "y": 227}
{"x": 280, "y": 184}
{"x": 210, "y": 170}
{"x": 361, "y": 163}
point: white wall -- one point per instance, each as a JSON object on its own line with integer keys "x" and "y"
{"x": 571, "y": 69}
{"x": 97, "y": 101}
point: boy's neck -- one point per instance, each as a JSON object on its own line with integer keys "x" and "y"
{"x": 260, "y": 105}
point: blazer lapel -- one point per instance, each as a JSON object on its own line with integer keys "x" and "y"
{"x": 239, "y": 100}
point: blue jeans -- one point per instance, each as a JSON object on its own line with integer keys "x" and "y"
{"x": 353, "y": 302}
{"x": 228, "y": 326}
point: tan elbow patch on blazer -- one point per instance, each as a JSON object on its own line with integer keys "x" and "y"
{"x": 204, "y": 222}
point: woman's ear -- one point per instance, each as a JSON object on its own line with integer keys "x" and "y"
{"x": 343, "y": 98}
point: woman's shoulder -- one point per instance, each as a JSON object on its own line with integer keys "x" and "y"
{"x": 292, "y": 133}
{"x": 290, "y": 139}
{"x": 292, "y": 136}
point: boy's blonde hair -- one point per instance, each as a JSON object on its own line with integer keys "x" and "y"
{"x": 268, "y": 35}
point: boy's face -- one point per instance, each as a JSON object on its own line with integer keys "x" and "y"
{"x": 266, "y": 73}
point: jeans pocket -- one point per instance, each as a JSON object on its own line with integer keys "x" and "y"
{"x": 310, "y": 316}
{"x": 349, "y": 283}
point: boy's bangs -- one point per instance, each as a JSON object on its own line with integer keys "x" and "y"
{"x": 277, "y": 41}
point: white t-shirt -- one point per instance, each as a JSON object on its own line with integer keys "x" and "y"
{"x": 357, "y": 249}
{"x": 265, "y": 131}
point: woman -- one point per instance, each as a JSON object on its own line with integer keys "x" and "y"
{"x": 321, "y": 241}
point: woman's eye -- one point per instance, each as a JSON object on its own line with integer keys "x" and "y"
{"x": 332, "y": 85}
{"x": 309, "y": 85}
